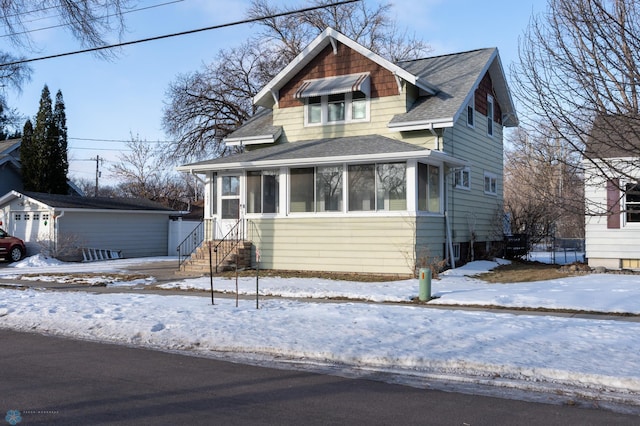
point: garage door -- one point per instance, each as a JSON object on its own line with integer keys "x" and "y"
{"x": 31, "y": 226}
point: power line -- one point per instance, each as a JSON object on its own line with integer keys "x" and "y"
{"x": 100, "y": 149}
{"x": 100, "y": 17}
{"x": 118, "y": 140}
{"x": 145, "y": 40}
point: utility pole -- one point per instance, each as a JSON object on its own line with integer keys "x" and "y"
{"x": 97, "y": 173}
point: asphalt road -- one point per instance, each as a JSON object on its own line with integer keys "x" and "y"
{"x": 51, "y": 380}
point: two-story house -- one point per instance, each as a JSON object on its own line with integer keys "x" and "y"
{"x": 357, "y": 164}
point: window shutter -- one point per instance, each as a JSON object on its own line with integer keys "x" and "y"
{"x": 613, "y": 204}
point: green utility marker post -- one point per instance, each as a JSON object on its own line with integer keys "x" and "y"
{"x": 425, "y": 284}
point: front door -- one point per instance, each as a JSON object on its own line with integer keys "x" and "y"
{"x": 229, "y": 202}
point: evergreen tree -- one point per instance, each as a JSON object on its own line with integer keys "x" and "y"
{"x": 44, "y": 153}
{"x": 59, "y": 161}
{"x": 28, "y": 158}
{"x": 41, "y": 141}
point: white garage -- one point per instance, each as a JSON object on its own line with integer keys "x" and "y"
{"x": 69, "y": 227}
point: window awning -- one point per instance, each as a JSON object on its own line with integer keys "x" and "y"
{"x": 334, "y": 86}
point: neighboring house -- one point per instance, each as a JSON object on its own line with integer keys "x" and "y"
{"x": 64, "y": 225}
{"x": 10, "y": 174}
{"x": 612, "y": 194}
{"x": 356, "y": 164}
{"x": 10, "y": 169}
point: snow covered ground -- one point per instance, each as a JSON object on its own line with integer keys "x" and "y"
{"x": 592, "y": 358}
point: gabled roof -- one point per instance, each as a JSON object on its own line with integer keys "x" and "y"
{"x": 72, "y": 202}
{"x": 368, "y": 148}
{"x": 449, "y": 82}
{"x": 614, "y": 136}
{"x": 456, "y": 76}
{"x": 6, "y": 149}
{"x": 269, "y": 94}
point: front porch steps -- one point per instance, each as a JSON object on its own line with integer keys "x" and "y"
{"x": 198, "y": 263}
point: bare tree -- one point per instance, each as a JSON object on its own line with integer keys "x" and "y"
{"x": 580, "y": 64}
{"x": 143, "y": 172}
{"x": 206, "y": 105}
{"x": 543, "y": 187}
{"x": 88, "y": 188}
{"x": 89, "y": 21}
{"x": 203, "y": 107}
{"x": 367, "y": 23}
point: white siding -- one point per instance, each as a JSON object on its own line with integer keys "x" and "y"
{"x": 603, "y": 246}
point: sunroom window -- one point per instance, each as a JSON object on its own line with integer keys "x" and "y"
{"x": 391, "y": 186}
{"x": 329, "y": 189}
{"x": 301, "y": 191}
{"x": 429, "y": 188}
{"x": 377, "y": 187}
{"x": 262, "y": 191}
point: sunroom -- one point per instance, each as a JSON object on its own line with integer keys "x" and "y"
{"x": 310, "y": 204}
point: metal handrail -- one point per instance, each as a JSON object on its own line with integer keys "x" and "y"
{"x": 229, "y": 242}
{"x": 190, "y": 244}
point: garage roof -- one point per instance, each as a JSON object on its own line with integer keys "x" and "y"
{"x": 91, "y": 203}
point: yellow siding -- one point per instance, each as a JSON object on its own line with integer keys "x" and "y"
{"x": 382, "y": 110}
{"x": 381, "y": 245}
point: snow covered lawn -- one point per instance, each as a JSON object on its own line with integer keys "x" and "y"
{"x": 598, "y": 358}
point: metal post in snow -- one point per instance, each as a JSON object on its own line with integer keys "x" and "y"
{"x": 211, "y": 272}
{"x": 257, "y": 276}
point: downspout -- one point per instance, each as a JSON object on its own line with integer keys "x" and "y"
{"x": 449, "y": 240}
{"x": 56, "y": 217}
{"x": 447, "y": 225}
{"x": 434, "y": 133}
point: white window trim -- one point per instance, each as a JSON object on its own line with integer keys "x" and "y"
{"x": 490, "y": 113}
{"x": 491, "y": 176}
{"x": 471, "y": 105}
{"x": 324, "y": 105}
{"x": 623, "y": 206}
{"x": 460, "y": 185}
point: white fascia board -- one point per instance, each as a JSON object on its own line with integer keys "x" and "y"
{"x": 116, "y": 211}
{"x": 9, "y": 196}
{"x": 314, "y": 48}
{"x": 15, "y": 194}
{"x": 420, "y": 125}
{"x": 364, "y": 158}
{"x": 253, "y": 140}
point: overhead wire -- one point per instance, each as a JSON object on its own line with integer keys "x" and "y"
{"x": 100, "y": 17}
{"x": 177, "y": 34}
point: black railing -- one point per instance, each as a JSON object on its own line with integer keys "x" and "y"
{"x": 229, "y": 242}
{"x": 190, "y": 244}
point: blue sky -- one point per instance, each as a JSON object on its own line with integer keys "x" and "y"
{"x": 112, "y": 100}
